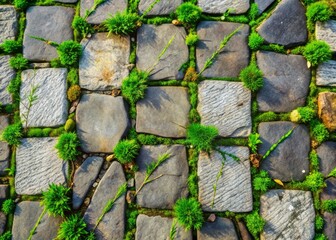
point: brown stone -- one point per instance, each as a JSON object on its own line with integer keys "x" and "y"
{"x": 244, "y": 233}
{"x": 327, "y": 109}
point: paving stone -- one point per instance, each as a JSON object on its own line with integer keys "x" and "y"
{"x": 38, "y": 165}
{"x": 226, "y": 105}
{"x": 221, "y": 6}
{"x": 286, "y": 81}
{"x": 8, "y": 23}
{"x": 163, "y": 112}
{"x": 329, "y": 229}
{"x": 113, "y": 223}
{"x": 287, "y": 24}
{"x": 326, "y": 74}
{"x": 244, "y": 233}
{"x": 104, "y": 62}
{"x": 220, "y": 229}
{"x": 232, "y": 59}
{"x": 3, "y": 192}
{"x": 326, "y": 31}
{"x": 151, "y": 40}
{"x": 52, "y": 23}
{"x": 4, "y": 148}
{"x": 25, "y": 216}
{"x": 101, "y": 122}
{"x": 51, "y": 107}
{"x": 327, "y": 157}
{"x": 3, "y": 220}
{"x": 263, "y": 4}
{"x": 289, "y": 214}
{"x": 327, "y": 109}
{"x": 234, "y": 191}
{"x": 84, "y": 177}
{"x": 289, "y": 161}
{"x": 329, "y": 192}
{"x": 158, "y": 228}
{"x": 166, "y": 190}
{"x": 103, "y": 11}
{"x": 66, "y": 1}
{"x": 160, "y": 8}
{"x": 6, "y": 75}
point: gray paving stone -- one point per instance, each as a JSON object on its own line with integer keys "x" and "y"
{"x": 3, "y": 221}
{"x": 221, "y": 6}
{"x": 66, "y": 1}
{"x": 329, "y": 229}
{"x": 327, "y": 32}
{"x": 160, "y": 8}
{"x": 4, "y": 148}
{"x": 38, "y": 165}
{"x": 8, "y": 23}
{"x": 104, "y": 63}
{"x": 327, "y": 157}
{"x": 4, "y": 190}
{"x": 326, "y": 74}
{"x": 220, "y": 229}
{"x": 329, "y": 192}
{"x": 263, "y": 4}
{"x": 6, "y": 75}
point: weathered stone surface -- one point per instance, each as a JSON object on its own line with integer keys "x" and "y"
{"x": 4, "y": 148}
{"x": 235, "y": 55}
{"x": 113, "y": 223}
{"x": 3, "y": 192}
{"x": 327, "y": 109}
{"x": 52, "y": 23}
{"x": 226, "y": 105}
{"x": 221, "y": 229}
{"x": 25, "y": 216}
{"x": 263, "y": 4}
{"x": 160, "y": 8}
{"x": 103, "y": 11}
{"x": 101, "y": 122}
{"x": 289, "y": 161}
{"x": 3, "y": 220}
{"x": 164, "y": 112}
{"x": 158, "y": 228}
{"x": 38, "y": 165}
{"x": 151, "y": 40}
{"x": 289, "y": 214}
{"x": 104, "y": 62}
{"x": 326, "y": 74}
{"x": 166, "y": 190}
{"x": 51, "y": 107}
{"x": 287, "y": 24}
{"x": 327, "y": 157}
{"x": 329, "y": 229}
{"x": 244, "y": 233}
{"x": 84, "y": 177}
{"x": 286, "y": 81}
{"x": 66, "y": 1}
{"x": 6, "y": 75}
{"x": 234, "y": 191}
{"x": 8, "y": 23}
{"x": 221, "y": 6}
{"x": 327, "y": 32}
{"x": 329, "y": 192}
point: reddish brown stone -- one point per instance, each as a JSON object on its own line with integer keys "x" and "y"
{"x": 327, "y": 109}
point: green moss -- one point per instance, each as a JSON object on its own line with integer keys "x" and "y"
{"x": 314, "y": 160}
{"x": 74, "y": 93}
{"x": 253, "y": 12}
{"x": 189, "y": 213}
{"x": 12, "y": 134}
{"x": 134, "y": 86}
{"x": 267, "y": 117}
{"x": 67, "y": 146}
{"x": 317, "y": 52}
{"x": 262, "y": 182}
{"x": 8, "y": 206}
{"x": 319, "y": 222}
{"x": 46, "y": 131}
{"x": 18, "y": 62}
{"x": 72, "y": 77}
{"x": 126, "y": 151}
{"x": 122, "y": 23}
{"x": 319, "y": 11}
{"x": 255, "y": 223}
{"x": 252, "y": 77}
{"x": 192, "y": 39}
{"x": 56, "y": 200}
{"x": 201, "y": 137}
{"x": 80, "y": 25}
{"x": 11, "y": 46}
{"x": 329, "y": 205}
{"x": 35, "y": 132}
{"x": 318, "y": 131}
{"x": 21, "y": 4}
{"x": 69, "y": 53}
{"x": 70, "y": 125}
{"x": 255, "y": 41}
{"x": 188, "y": 13}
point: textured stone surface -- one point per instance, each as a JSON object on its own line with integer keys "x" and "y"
{"x": 289, "y": 161}
{"x": 221, "y": 6}
{"x": 327, "y": 32}
{"x": 326, "y": 74}
{"x": 234, "y": 191}
{"x": 287, "y": 24}
{"x": 244, "y": 233}
{"x": 327, "y": 157}
{"x": 164, "y": 112}
{"x": 4, "y": 148}
{"x": 235, "y": 55}
{"x": 160, "y": 8}
{"x": 8, "y": 23}
{"x": 166, "y": 190}
{"x": 84, "y": 177}
{"x": 329, "y": 192}
{"x": 52, "y": 23}
{"x": 104, "y": 62}
{"x": 221, "y": 229}
{"x": 158, "y": 228}
{"x": 6, "y": 75}
{"x": 3, "y": 220}
{"x": 25, "y": 216}
{"x": 289, "y": 214}
{"x": 38, "y": 165}
{"x": 286, "y": 81}
{"x": 101, "y": 122}
{"x": 329, "y": 229}
{"x": 226, "y": 105}
{"x": 3, "y": 192}
{"x": 51, "y": 107}
{"x": 103, "y": 11}
{"x": 66, "y": 1}
{"x": 263, "y": 4}
{"x": 327, "y": 109}
{"x": 151, "y": 40}
{"x": 113, "y": 223}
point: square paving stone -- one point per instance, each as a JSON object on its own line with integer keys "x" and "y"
{"x": 220, "y": 229}
{"x": 160, "y": 8}
{"x": 8, "y": 23}
{"x": 235, "y": 55}
{"x": 286, "y": 81}
{"x": 104, "y": 63}
{"x": 52, "y": 23}
{"x": 163, "y": 112}
{"x": 327, "y": 157}
{"x": 163, "y": 192}
{"x": 38, "y": 165}
{"x": 289, "y": 214}
{"x": 151, "y": 40}
{"x": 226, "y": 105}
{"x": 102, "y": 121}
{"x": 221, "y": 6}
{"x": 289, "y": 161}
{"x": 326, "y": 31}
{"x": 158, "y": 228}
{"x": 326, "y": 74}
{"x": 6, "y": 75}
{"x": 4, "y": 148}
{"x": 51, "y": 107}
{"x": 234, "y": 192}
{"x": 327, "y": 109}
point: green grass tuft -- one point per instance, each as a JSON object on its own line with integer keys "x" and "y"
{"x": 201, "y": 137}
{"x": 126, "y": 151}
{"x": 189, "y": 213}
